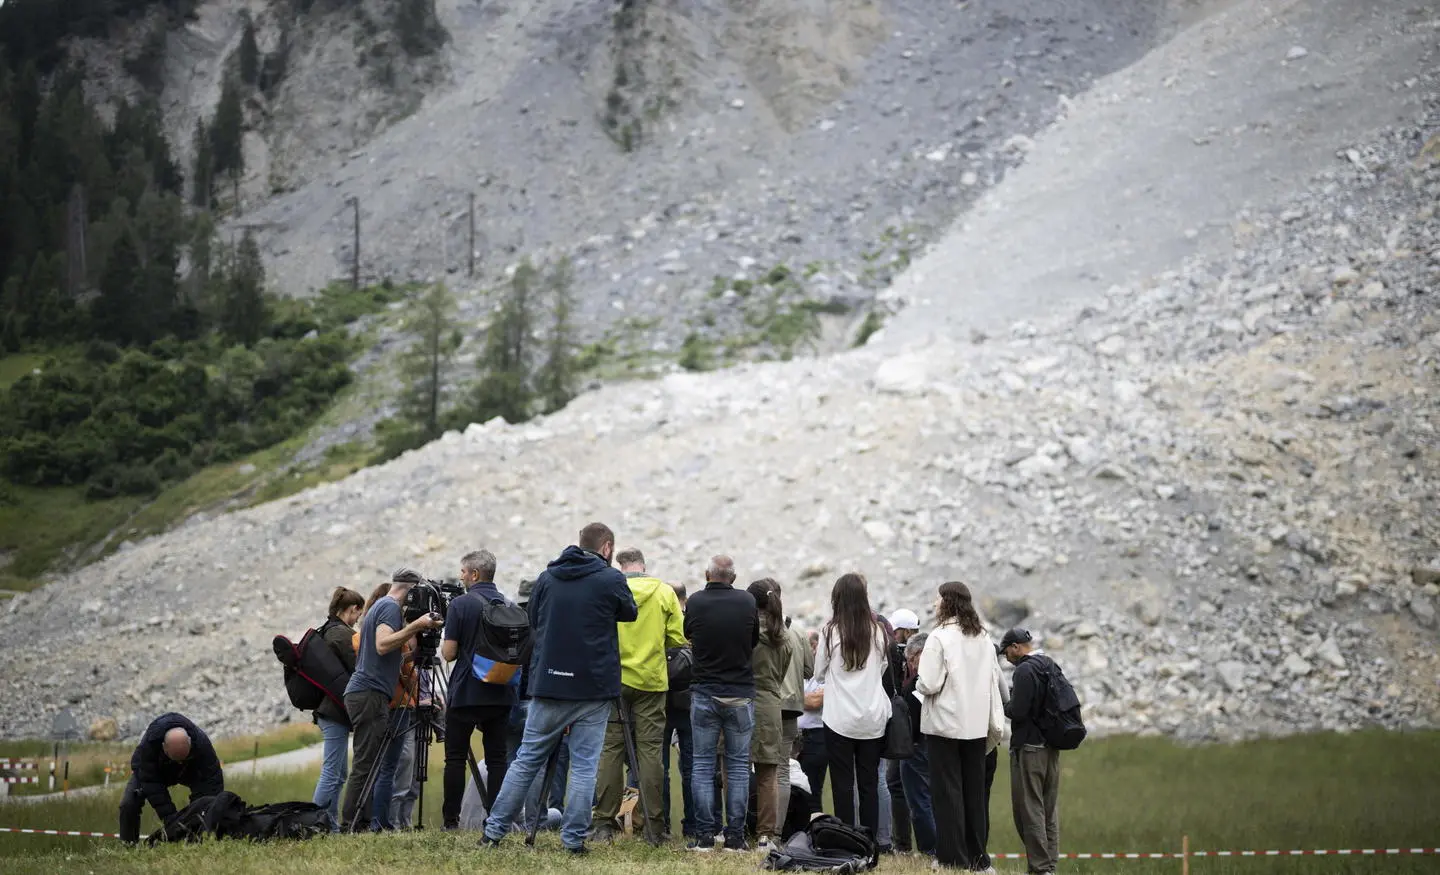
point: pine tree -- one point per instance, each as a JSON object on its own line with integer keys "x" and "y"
{"x": 424, "y": 366}
{"x": 245, "y": 314}
{"x": 504, "y": 384}
{"x": 116, "y": 312}
{"x": 227, "y": 132}
{"x": 249, "y": 52}
{"x": 555, "y": 383}
{"x": 203, "y": 168}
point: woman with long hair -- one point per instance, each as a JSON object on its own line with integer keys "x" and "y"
{"x": 850, "y": 661}
{"x": 961, "y": 719}
{"x": 770, "y": 661}
{"x": 334, "y": 723}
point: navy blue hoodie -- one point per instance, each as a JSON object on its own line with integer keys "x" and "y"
{"x": 574, "y": 607}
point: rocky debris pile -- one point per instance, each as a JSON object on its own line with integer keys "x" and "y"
{"x": 1207, "y": 493}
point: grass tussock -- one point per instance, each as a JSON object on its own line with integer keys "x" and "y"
{"x": 1365, "y": 790}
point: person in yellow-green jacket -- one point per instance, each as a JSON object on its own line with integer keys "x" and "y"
{"x": 644, "y": 680}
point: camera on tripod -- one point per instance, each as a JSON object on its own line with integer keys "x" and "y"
{"x": 429, "y": 597}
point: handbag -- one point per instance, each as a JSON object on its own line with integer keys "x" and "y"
{"x": 899, "y": 743}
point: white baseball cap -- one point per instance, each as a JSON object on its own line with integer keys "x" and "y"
{"x": 904, "y": 619}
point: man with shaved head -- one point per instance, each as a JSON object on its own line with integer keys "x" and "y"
{"x": 172, "y": 751}
{"x": 723, "y": 626}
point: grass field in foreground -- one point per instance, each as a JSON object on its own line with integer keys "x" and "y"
{"x": 1365, "y": 790}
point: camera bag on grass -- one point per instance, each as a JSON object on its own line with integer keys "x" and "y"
{"x": 313, "y": 672}
{"x": 828, "y": 844}
{"x": 226, "y": 816}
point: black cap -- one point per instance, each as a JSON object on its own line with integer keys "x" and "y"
{"x": 1016, "y": 636}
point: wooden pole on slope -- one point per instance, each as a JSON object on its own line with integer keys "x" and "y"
{"x": 355, "y": 261}
{"x": 472, "y": 234}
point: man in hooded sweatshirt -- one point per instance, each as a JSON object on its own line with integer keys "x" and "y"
{"x": 644, "y": 681}
{"x": 574, "y": 678}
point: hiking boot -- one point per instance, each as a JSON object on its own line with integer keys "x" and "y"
{"x": 604, "y": 834}
{"x": 736, "y": 844}
{"x": 487, "y": 842}
{"x": 579, "y": 852}
{"x": 700, "y": 846}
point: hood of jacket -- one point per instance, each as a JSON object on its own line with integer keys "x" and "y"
{"x": 574, "y": 563}
{"x": 659, "y": 624}
{"x": 645, "y": 588}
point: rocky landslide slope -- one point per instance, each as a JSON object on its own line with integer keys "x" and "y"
{"x": 1208, "y": 488}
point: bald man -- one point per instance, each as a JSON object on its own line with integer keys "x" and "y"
{"x": 172, "y": 751}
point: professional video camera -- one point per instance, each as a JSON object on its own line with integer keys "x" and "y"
{"x": 430, "y": 597}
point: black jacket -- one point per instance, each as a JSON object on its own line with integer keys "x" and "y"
{"x": 340, "y": 639}
{"x": 1027, "y": 697}
{"x": 155, "y": 773}
{"x": 574, "y": 607}
{"x": 723, "y": 626}
{"x": 912, "y": 706}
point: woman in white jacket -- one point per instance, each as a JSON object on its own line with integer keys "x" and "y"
{"x": 961, "y": 719}
{"x": 850, "y": 661}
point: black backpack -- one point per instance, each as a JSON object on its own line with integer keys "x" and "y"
{"x": 680, "y": 668}
{"x": 313, "y": 672}
{"x": 504, "y": 644}
{"x": 1059, "y": 718}
{"x": 226, "y": 816}
{"x": 828, "y": 844}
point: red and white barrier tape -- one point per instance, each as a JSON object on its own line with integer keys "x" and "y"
{"x": 61, "y": 832}
{"x": 1356, "y": 852}
{"x": 26, "y": 779}
{"x": 17, "y": 765}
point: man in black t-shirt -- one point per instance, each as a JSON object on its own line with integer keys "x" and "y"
{"x": 473, "y": 703}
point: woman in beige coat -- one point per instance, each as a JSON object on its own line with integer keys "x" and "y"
{"x": 770, "y": 662}
{"x": 961, "y": 719}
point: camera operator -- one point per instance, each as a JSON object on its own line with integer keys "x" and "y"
{"x": 383, "y": 634}
{"x": 574, "y": 679}
{"x": 474, "y": 704}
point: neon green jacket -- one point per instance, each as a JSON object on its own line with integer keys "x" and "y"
{"x": 661, "y": 624}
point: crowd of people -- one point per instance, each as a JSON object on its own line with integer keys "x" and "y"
{"x": 762, "y": 713}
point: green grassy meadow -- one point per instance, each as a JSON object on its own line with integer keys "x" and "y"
{"x": 1362, "y": 790}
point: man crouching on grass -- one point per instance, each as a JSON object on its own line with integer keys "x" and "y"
{"x": 172, "y": 751}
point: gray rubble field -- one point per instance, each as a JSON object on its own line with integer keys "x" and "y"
{"x": 1205, "y": 476}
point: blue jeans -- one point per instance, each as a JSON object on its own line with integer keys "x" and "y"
{"x": 334, "y": 767}
{"x": 407, "y": 790}
{"x": 707, "y": 718}
{"x": 915, "y": 777}
{"x": 544, "y": 728}
{"x": 389, "y": 763}
{"x": 679, "y": 722}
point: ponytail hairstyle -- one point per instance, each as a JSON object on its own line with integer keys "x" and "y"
{"x": 380, "y": 592}
{"x": 956, "y": 606}
{"x": 852, "y": 618}
{"x": 342, "y": 599}
{"x": 772, "y": 614}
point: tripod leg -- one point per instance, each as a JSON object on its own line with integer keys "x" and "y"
{"x": 627, "y": 726}
{"x": 479, "y": 781}
{"x": 551, "y": 764}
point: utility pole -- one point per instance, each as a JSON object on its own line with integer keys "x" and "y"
{"x": 355, "y": 260}
{"x": 472, "y": 233}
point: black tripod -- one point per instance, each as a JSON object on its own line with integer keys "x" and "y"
{"x": 428, "y": 675}
{"x": 627, "y": 728}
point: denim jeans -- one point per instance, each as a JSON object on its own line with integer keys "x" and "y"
{"x": 333, "y": 767}
{"x": 389, "y": 763}
{"x": 707, "y": 718}
{"x": 679, "y": 722}
{"x": 544, "y": 728}
{"x": 915, "y": 777}
{"x": 407, "y": 790}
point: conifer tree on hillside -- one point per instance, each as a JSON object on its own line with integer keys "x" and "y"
{"x": 424, "y": 366}
{"x": 203, "y": 166}
{"x": 504, "y": 388}
{"x": 227, "y": 132}
{"x": 244, "y": 314}
{"x": 555, "y": 382}
{"x": 249, "y": 52}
